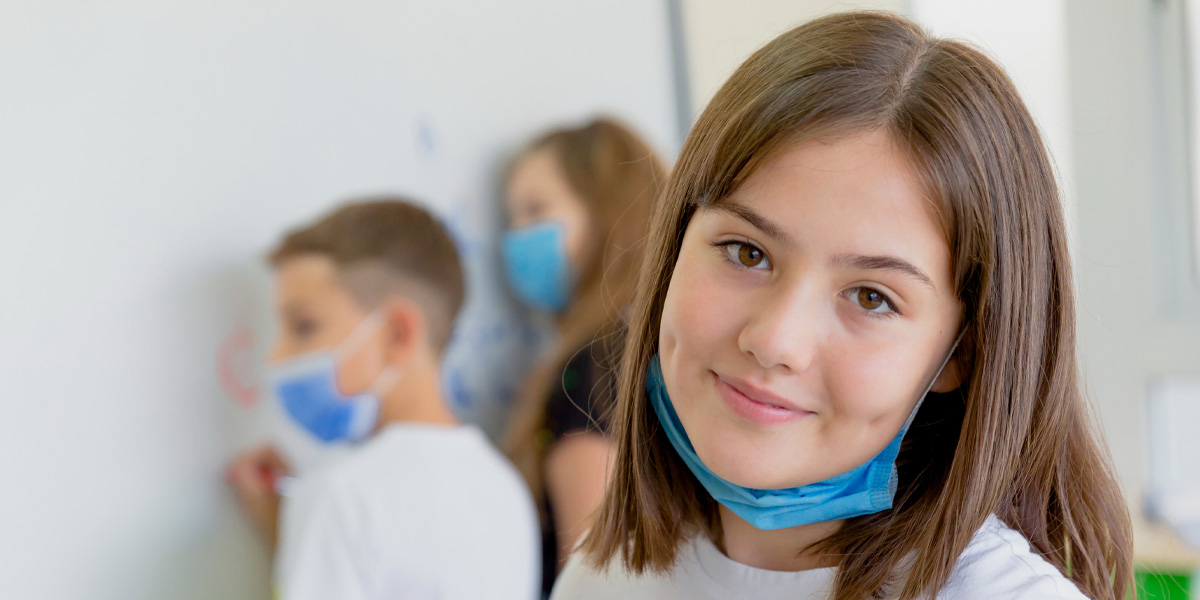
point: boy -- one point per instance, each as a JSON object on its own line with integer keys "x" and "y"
{"x": 423, "y": 507}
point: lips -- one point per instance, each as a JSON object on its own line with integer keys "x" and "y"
{"x": 755, "y": 404}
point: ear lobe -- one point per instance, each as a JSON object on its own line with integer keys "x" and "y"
{"x": 950, "y": 378}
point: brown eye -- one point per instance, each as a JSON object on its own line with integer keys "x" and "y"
{"x": 749, "y": 255}
{"x": 870, "y": 299}
{"x": 744, "y": 255}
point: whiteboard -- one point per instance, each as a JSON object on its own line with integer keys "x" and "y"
{"x": 151, "y": 153}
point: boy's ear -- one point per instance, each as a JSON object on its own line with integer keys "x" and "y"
{"x": 404, "y": 330}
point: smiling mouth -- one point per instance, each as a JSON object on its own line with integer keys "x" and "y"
{"x": 753, "y": 410}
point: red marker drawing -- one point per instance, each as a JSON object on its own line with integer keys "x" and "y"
{"x": 232, "y": 366}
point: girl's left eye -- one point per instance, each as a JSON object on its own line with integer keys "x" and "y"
{"x": 744, "y": 254}
{"x": 871, "y": 300}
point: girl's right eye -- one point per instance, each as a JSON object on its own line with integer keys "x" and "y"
{"x": 744, "y": 254}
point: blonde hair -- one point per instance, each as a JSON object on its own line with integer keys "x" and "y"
{"x": 1018, "y": 441}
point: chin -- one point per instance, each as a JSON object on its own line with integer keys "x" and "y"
{"x": 749, "y": 470}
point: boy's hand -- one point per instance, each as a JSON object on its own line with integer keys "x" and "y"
{"x": 253, "y": 475}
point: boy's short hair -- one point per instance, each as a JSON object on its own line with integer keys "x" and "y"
{"x": 387, "y": 245}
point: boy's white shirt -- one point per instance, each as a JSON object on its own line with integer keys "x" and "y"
{"x": 416, "y": 512}
{"x": 997, "y": 565}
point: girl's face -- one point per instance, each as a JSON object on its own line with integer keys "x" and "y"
{"x": 807, "y": 313}
{"x": 538, "y": 192}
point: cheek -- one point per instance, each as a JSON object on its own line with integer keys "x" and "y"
{"x": 359, "y": 371}
{"x": 872, "y": 383}
{"x": 576, "y": 230}
{"x": 697, "y": 316}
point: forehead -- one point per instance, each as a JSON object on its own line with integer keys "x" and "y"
{"x": 537, "y": 169}
{"x": 306, "y": 275}
{"x": 857, "y": 193}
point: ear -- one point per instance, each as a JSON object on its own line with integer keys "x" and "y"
{"x": 404, "y": 331}
{"x": 950, "y": 378}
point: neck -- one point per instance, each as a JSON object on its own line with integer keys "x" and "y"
{"x": 777, "y": 549}
{"x": 417, "y": 398}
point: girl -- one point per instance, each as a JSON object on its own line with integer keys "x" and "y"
{"x": 578, "y": 201}
{"x": 850, "y": 370}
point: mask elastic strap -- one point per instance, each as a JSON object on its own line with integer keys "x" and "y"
{"x": 386, "y": 381}
{"x": 359, "y": 335}
{"x": 370, "y": 325}
{"x": 913, "y": 415}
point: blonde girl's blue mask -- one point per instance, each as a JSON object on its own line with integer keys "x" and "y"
{"x": 866, "y": 489}
{"x": 307, "y": 388}
{"x": 535, "y": 261}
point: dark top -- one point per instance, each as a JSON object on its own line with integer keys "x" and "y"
{"x": 581, "y": 403}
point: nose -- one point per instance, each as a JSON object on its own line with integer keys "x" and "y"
{"x": 784, "y": 331}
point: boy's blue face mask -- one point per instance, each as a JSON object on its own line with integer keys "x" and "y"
{"x": 307, "y": 388}
{"x": 866, "y": 489}
{"x": 535, "y": 260}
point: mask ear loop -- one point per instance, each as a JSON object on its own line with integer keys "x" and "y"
{"x": 388, "y": 378}
{"x": 371, "y": 325}
{"x": 913, "y": 415}
{"x": 359, "y": 335}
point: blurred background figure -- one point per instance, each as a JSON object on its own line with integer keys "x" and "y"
{"x": 578, "y": 202}
{"x": 422, "y": 506}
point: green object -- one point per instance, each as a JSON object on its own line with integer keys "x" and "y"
{"x": 1158, "y": 585}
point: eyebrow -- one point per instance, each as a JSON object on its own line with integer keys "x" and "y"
{"x": 855, "y": 261}
{"x": 758, "y": 221}
{"x": 883, "y": 263}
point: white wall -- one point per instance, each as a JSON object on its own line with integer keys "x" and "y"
{"x": 151, "y": 152}
{"x": 719, "y": 34}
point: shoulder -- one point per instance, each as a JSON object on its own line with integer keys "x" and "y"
{"x": 580, "y": 580}
{"x": 411, "y": 466}
{"x": 999, "y": 563}
{"x": 326, "y": 499}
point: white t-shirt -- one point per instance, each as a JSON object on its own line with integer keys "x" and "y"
{"x": 997, "y": 565}
{"x": 418, "y": 511}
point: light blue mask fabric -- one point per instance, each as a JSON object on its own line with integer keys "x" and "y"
{"x": 535, "y": 260}
{"x": 866, "y": 489}
{"x": 307, "y": 388}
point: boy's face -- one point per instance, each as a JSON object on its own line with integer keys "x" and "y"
{"x": 315, "y": 313}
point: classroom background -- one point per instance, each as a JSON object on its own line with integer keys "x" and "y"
{"x": 151, "y": 152}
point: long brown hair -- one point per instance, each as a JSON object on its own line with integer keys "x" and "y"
{"x": 1017, "y": 440}
{"x": 618, "y": 176}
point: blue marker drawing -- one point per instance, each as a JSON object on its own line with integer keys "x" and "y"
{"x": 456, "y": 388}
{"x": 425, "y": 138}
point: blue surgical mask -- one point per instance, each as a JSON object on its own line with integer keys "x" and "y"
{"x": 535, "y": 260}
{"x": 307, "y": 388}
{"x": 866, "y": 489}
